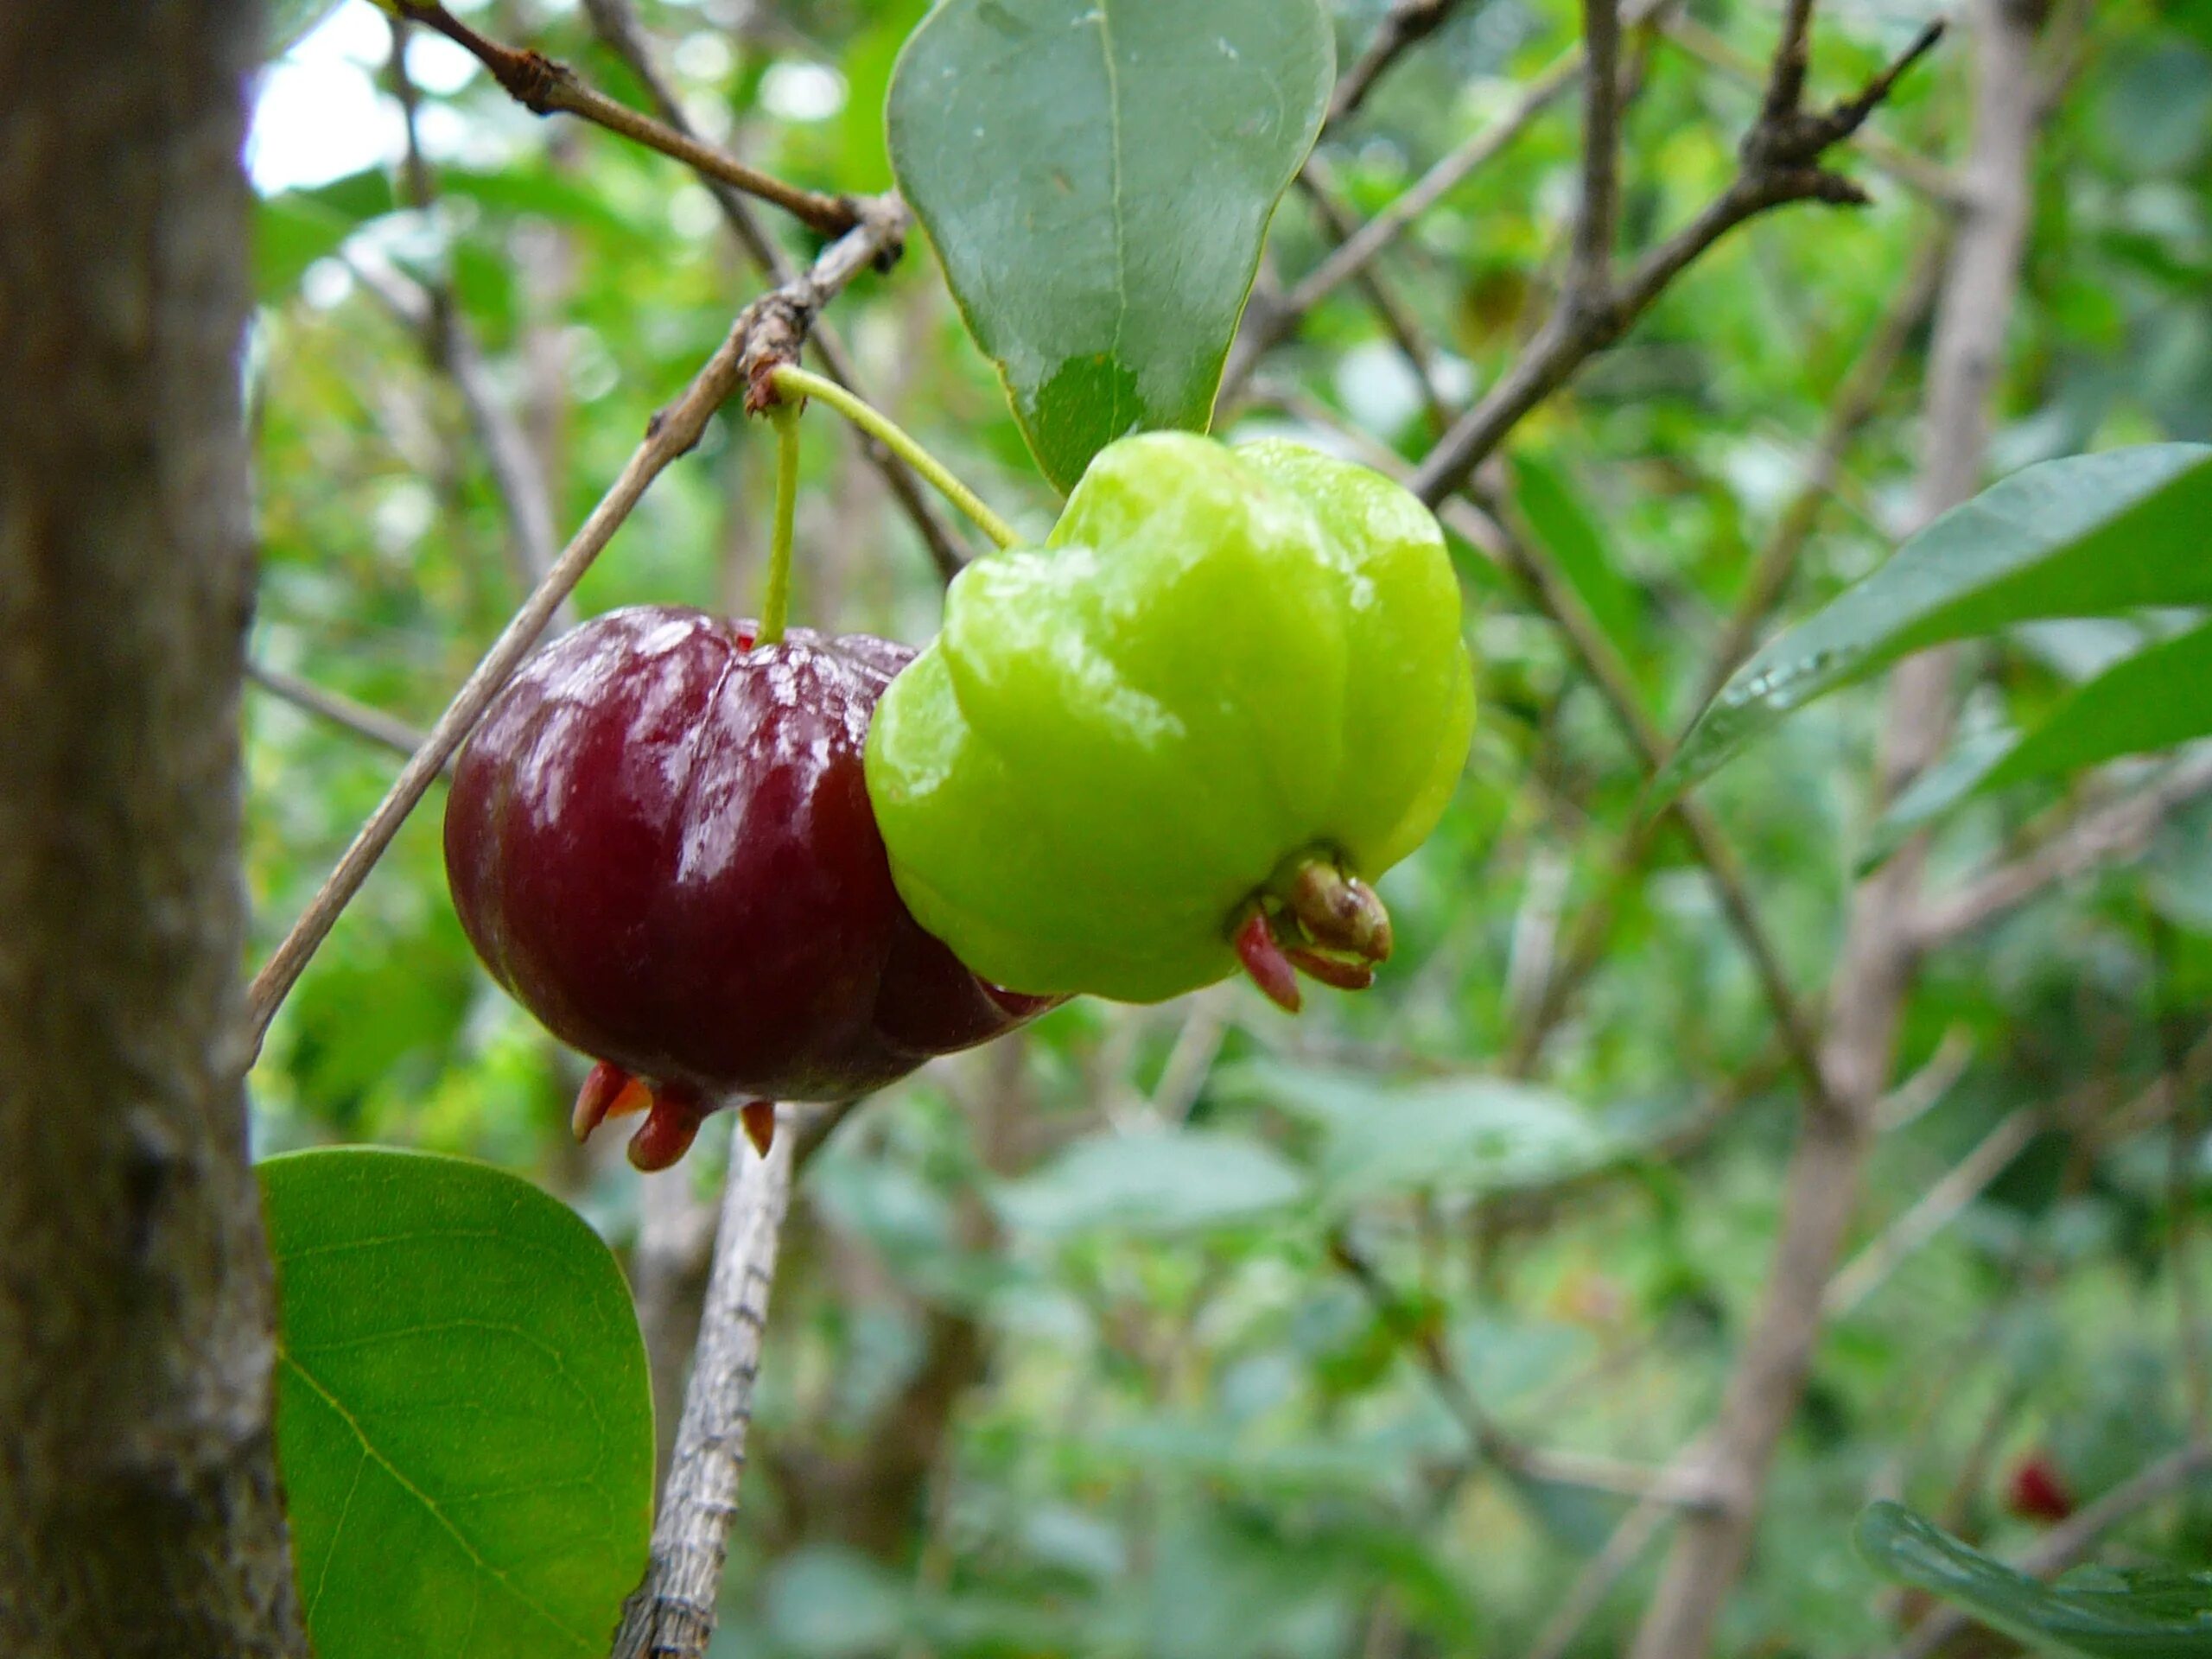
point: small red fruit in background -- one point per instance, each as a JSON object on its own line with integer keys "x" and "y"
{"x": 659, "y": 841}
{"x": 2038, "y": 1492}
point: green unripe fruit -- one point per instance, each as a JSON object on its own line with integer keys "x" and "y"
{"x": 1232, "y": 679}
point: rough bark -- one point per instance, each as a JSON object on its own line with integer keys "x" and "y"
{"x": 139, "y": 1507}
{"x": 1874, "y": 971}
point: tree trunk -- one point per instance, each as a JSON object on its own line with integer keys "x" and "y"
{"x": 139, "y": 1506}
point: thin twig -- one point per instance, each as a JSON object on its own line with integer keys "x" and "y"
{"x": 1914, "y": 171}
{"x": 1933, "y": 1211}
{"x": 2104, "y": 835}
{"x": 2073, "y": 1538}
{"x": 1679, "y": 1486}
{"x": 357, "y": 718}
{"x": 615, "y": 21}
{"x": 1855, "y": 403}
{"x": 1318, "y": 181}
{"x": 1406, "y": 25}
{"x": 1267, "y": 325}
{"x": 544, "y": 86}
{"x": 768, "y": 331}
{"x": 1621, "y": 1551}
{"x": 672, "y": 1614}
{"x": 517, "y": 477}
{"x": 1782, "y": 163}
{"x": 1602, "y": 661}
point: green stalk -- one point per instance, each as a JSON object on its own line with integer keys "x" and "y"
{"x": 797, "y": 383}
{"x": 776, "y": 606}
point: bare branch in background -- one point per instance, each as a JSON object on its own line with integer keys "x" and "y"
{"x": 1406, "y": 25}
{"x": 2105, "y": 835}
{"x": 518, "y": 476}
{"x": 672, "y": 1614}
{"x": 1782, "y": 163}
{"x": 1590, "y": 267}
{"x": 1269, "y": 324}
{"x": 343, "y": 712}
{"x": 1936, "y": 1209}
{"x": 545, "y": 87}
{"x": 615, "y": 21}
{"x": 1874, "y": 970}
{"x": 1856, "y": 400}
{"x": 1602, "y": 661}
{"x": 1914, "y": 171}
{"x": 768, "y": 331}
{"x": 1319, "y": 182}
{"x": 1621, "y": 1552}
{"x": 1678, "y": 1486}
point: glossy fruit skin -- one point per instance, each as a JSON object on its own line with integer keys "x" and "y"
{"x": 1223, "y": 662}
{"x": 659, "y": 841}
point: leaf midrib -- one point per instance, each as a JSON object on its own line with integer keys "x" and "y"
{"x": 371, "y": 1454}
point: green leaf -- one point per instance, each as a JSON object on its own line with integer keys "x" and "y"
{"x": 2107, "y": 1614}
{"x": 463, "y": 1417}
{"x": 1548, "y": 498}
{"x": 1455, "y": 1135}
{"x": 2153, "y": 699}
{"x": 290, "y": 232}
{"x": 2088, "y": 536}
{"x": 1159, "y": 1182}
{"x": 1098, "y": 176}
{"x": 290, "y": 21}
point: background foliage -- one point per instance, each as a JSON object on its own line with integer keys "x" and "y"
{"x": 1067, "y": 1356}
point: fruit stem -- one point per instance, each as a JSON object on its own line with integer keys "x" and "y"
{"x": 776, "y": 605}
{"x": 796, "y": 383}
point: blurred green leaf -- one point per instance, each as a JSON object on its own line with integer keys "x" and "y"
{"x": 290, "y": 21}
{"x": 1576, "y": 545}
{"x": 2088, "y": 535}
{"x": 290, "y": 232}
{"x": 463, "y": 1417}
{"x": 2157, "y": 108}
{"x": 1098, "y": 176}
{"x": 1159, "y": 1181}
{"x": 2107, "y": 1614}
{"x": 833, "y": 1603}
{"x": 1457, "y": 1134}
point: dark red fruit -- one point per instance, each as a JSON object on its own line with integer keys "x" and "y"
{"x": 659, "y": 840}
{"x": 2038, "y": 1491}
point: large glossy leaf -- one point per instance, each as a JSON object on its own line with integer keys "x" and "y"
{"x": 464, "y": 1421}
{"x": 2088, "y": 535}
{"x": 1452, "y": 1135}
{"x": 1098, "y": 176}
{"x": 2159, "y": 697}
{"x": 2095, "y": 1610}
{"x": 1164, "y": 1181}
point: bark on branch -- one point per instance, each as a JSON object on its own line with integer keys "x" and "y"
{"x": 672, "y": 1614}
{"x": 139, "y": 1508}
